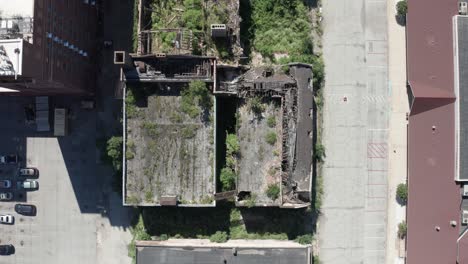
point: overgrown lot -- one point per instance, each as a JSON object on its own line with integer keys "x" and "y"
{"x": 169, "y": 146}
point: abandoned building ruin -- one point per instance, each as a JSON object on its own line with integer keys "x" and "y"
{"x": 166, "y": 168}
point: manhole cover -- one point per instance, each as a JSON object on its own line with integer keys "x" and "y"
{"x": 21, "y": 219}
{"x": 21, "y": 242}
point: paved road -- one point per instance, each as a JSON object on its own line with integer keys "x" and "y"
{"x": 352, "y": 228}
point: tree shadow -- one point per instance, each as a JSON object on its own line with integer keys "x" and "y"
{"x": 401, "y": 20}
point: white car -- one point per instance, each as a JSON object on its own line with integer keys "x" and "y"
{"x": 7, "y": 219}
{"x": 28, "y": 172}
{"x": 28, "y": 185}
{"x": 6, "y": 196}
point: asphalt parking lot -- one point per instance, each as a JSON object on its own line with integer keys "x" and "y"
{"x": 73, "y": 209}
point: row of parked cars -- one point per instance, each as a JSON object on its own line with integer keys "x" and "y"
{"x": 20, "y": 185}
{"x": 22, "y": 209}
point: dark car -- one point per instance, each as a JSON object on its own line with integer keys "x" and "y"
{"x": 26, "y": 209}
{"x": 7, "y": 249}
{"x": 9, "y": 159}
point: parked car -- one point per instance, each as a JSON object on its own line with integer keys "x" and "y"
{"x": 7, "y": 219}
{"x": 5, "y": 184}
{"x": 28, "y": 185}
{"x": 25, "y": 209}
{"x": 7, "y": 249}
{"x": 9, "y": 159}
{"x": 6, "y": 196}
{"x": 28, "y": 172}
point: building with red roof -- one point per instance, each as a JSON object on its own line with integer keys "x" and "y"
{"x": 436, "y": 232}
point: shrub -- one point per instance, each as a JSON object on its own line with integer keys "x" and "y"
{"x": 271, "y": 121}
{"x": 402, "y": 229}
{"x": 402, "y": 193}
{"x": 319, "y": 152}
{"x": 114, "y": 152}
{"x": 256, "y": 106}
{"x": 228, "y": 179}
{"x": 189, "y": 132}
{"x": 402, "y": 8}
{"x": 270, "y": 138}
{"x": 251, "y": 201}
{"x": 219, "y": 237}
{"x": 273, "y": 191}
{"x": 195, "y": 98}
{"x": 304, "y": 239}
{"x": 232, "y": 144}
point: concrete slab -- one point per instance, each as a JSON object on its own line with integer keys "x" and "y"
{"x": 355, "y": 132}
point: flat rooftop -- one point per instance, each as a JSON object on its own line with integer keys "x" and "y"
{"x": 11, "y": 62}
{"x": 24, "y": 8}
{"x": 204, "y": 252}
{"x": 169, "y": 153}
{"x": 461, "y": 31}
{"x": 433, "y": 195}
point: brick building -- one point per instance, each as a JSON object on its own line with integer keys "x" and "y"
{"x": 48, "y": 47}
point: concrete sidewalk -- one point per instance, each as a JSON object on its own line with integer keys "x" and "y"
{"x": 397, "y": 169}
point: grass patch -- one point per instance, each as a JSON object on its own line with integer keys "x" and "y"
{"x": 273, "y": 191}
{"x": 138, "y": 232}
{"x": 271, "y": 121}
{"x": 219, "y": 237}
{"x": 304, "y": 239}
{"x": 228, "y": 179}
{"x": 271, "y": 138}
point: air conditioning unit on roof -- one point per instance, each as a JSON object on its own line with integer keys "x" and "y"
{"x": 463, "y": 8}
{"x": 465, "y": 190}
{"x": 465, "y": 217}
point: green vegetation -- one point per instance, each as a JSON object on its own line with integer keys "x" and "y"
{"x": 280, "y": 26}
{"x": 256, "y": 106}
{"x": 304, "y": 239}
{"x": 138, "y": 232}
{"x": 135, "y": 27}
{"x": 271, "y": 138}
{"x": 402, "y": 229}
{"x": 271, "y": 121}
{"x": 232, "y": 144}
{"x": 402, "y": 8}
{"x": 316, "y": 260}
{"x": 195, "y": 99}
{"x": 149, "y": 196}
{"x": 131, "y": 109}
{"x": 319, "y": 152}
{"x": 251, "y": 200}
{"x": 318, "y": 193}
{"x": 219, "y": 237}
{"x": 402, "y": 193}
{"x": 114, "y": 152}
{"x": 228, "y": 179}
{"x": 273, "y": 191}
{"x": 238, "y": 223}
{"x": 189, "y": 131}
{"x": 228, "y": 175}
{"x": 151, "y": 128}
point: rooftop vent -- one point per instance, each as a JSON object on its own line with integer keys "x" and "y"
{"x": 465, "y": 217}
{"x": 218, "y": 30}
{"x": 463, "y": 8}
{"x": 119, "y": 57}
